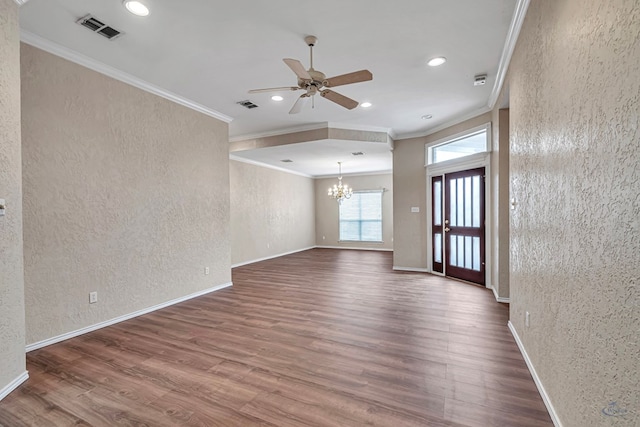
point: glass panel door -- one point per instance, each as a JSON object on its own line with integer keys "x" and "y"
{"x": 437, "y": 223}
{"x": 463, "y": 225}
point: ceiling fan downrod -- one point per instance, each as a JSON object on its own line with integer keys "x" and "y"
{"x": 311, "y": 42}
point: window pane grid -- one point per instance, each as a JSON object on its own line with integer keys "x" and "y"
{"x": 461, "y": 147}
{"x": 361, "y": 218}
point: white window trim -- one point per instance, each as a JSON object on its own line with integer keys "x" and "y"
{"x": 443, "y": 141}
{"x": 473, "y": 161}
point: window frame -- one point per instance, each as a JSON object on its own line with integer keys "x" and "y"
{"x": 454, "y": 138}
{"x": 358, "y": 192}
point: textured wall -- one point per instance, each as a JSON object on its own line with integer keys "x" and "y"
{"x": 272, "y": 212}
{"x": 328, "y": 215}
{"x": 12, "y": 360}
{"x": 410, "y": 180}
{"x": 575, "y": 234}
{"x": 125, "y": 193}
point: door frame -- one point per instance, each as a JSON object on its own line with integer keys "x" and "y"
{"x": 457, "y": 165}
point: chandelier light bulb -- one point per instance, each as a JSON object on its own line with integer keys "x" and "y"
{"x": 340, "y": 191}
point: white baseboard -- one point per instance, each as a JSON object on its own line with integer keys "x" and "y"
{"x": 13, "y": 384}
{"x": 81, "y": 331}
{"x": 353, "y": 248}
{"x": 536, "y": 379}
{"x": 415, "y": 270}
{"x": 499, "y": 298}
{"x": 240, "y": 264}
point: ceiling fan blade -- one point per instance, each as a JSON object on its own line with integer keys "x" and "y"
{"x": 274, "y": 89}
{"x": 297, "y": 68}
{"x": 345, "y": 79}
{"x": 299, "y": 105}
{"x": 347, "y": 103}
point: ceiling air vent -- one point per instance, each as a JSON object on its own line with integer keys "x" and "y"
{"x": 99, "y": 27}
{"x": 248, "y": 104}
{"x": 286, "y": 161}
{"x": 357, "y": 153}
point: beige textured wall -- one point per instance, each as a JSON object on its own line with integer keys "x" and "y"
{"x": 328, "y": 215}
{"x": 125, "y": 193}
{"x": 272, "y": 212}
{"x": 500, "y": 201}
{"x": 410, "y": 179}
{"x": 12, "y": 329}
{"x": 575, "y": 234}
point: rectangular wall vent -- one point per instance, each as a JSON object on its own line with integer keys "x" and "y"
{"x": 357, "y": 153}
{"x": 248, "y": 104}
{"x": 99, "y": 27}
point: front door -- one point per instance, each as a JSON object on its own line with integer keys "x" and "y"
{"x": 458, "y": 237}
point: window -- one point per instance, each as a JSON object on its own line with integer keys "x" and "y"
{"x": 361, "y": 217}
{"x": 461, "y": 146}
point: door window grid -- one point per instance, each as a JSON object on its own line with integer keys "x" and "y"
{"x": 460, "y": 252}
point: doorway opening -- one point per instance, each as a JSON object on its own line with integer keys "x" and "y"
{"x": 458, "y": 225}
{"x": 457, "y": 187}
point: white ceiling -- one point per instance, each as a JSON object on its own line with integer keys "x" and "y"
{"x": 320, "y": 158}
{"x": 212, "y": 52}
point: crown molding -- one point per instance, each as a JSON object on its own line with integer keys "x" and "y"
{"x": 313, "y": 126}
{"x": 507, "y": 51}
{"x": 456, "y": 121}
{"x": 362, "y": 128}
{"x": 20, "y": 2}
{"x": 268, "y": 166}
{"x": 284, "y": 131}
{"x": 355, "y": 174}
{"x": 85, "y": 61}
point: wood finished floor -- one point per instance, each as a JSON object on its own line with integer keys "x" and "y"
{"x": 318, "y": 338}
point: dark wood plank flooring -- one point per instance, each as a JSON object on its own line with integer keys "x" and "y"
{"x": 318, "y": 338}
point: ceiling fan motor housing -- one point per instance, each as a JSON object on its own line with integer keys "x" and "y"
{"x": 317, "y": 79}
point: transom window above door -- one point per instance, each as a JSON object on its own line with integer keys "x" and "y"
{"x": 472, "y": 142}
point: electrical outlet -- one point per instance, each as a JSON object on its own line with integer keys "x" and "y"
{"x": 323, "y": 237}
{"x": 93, "y": 297}
{"x": 206, "y": 270}
{"x": 268, "y": 245}
{"x": 526, "y": 319}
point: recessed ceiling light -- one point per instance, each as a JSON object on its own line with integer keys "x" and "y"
{"x": 439, "y": 60}
{"x": 366, "y": 104}
{"x": 277, "y": 98}
{"x": 136, "y": 7}
{"x": 427, "y": 117}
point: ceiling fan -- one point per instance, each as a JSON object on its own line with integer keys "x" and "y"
{"x": 314, "y": 82}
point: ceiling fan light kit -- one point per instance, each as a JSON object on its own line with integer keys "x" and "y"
{"x": 315, "y": 82}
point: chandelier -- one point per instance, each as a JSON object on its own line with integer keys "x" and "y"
{"x": 340, "y": 191}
